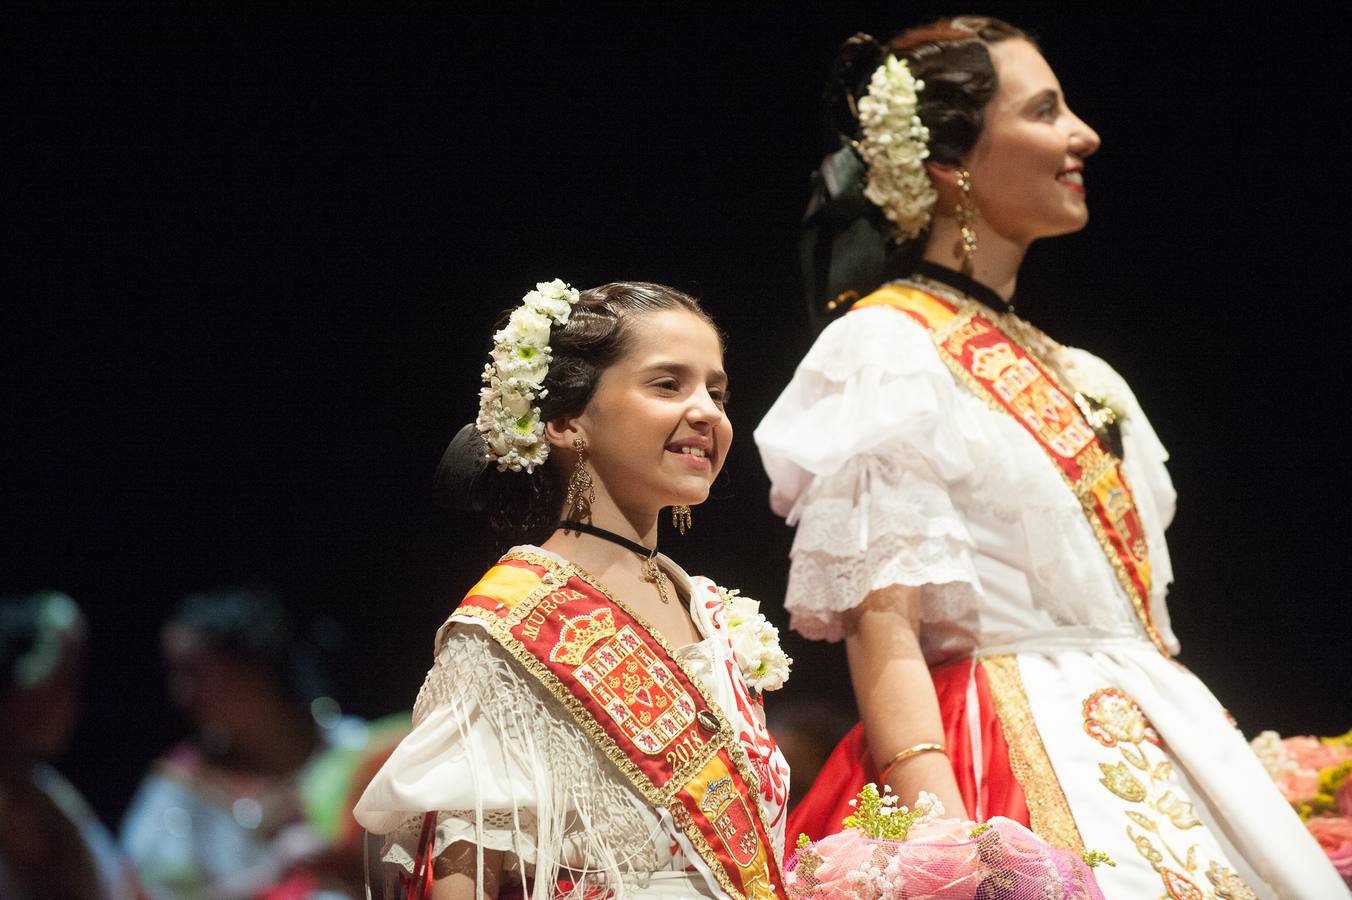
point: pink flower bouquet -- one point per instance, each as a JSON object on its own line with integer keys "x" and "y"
{"x": 887, "y": 852}
{"x": 1315, "y": 776}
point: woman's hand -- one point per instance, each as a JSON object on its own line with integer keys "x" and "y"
{"x": 896, "y": 696}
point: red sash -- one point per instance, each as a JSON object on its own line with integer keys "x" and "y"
{"x": 639, "y": 705}
{"x": 1013, "y": 381}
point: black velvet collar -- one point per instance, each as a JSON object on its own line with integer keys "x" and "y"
{"x": 963, "y": 284}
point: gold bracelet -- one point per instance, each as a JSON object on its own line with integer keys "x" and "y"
{"x": 903, "y": 755}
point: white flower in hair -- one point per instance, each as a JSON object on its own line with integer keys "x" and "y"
{"x": 755, "y": 643}
{"x": 551, "y": 299}
{"x": 509, "y": 412}
{"x": 895, "y": 147}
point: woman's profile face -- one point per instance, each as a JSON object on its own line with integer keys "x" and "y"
{"x": 656, "y": 429}
{"x": 1027, "y": 166}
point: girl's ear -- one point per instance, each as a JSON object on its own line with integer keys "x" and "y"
{"x": 561, "y": 432}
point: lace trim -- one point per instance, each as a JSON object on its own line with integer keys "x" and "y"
{"x": 879, "y": 522}
{"x": 888, "y": 466}
{"x": 948, "y": 595}
{"x": 874, "y": 524}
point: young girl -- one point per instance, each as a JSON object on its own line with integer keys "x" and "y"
{"x": 981, "y": 511}
{"x": 592, "y": 722}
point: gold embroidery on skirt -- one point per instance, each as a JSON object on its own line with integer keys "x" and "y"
{"x": 1048, "y": 810}
{"x": 1114, "y": 719}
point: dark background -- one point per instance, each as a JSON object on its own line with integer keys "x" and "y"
{"x": 258, "y": 254}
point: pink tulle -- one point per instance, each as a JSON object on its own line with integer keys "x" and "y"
{"x": 939, "y": 860}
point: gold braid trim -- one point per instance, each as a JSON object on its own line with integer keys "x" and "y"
{"x": 967, "y": 309}
{"x": 664, "y": 796}
{"x": 1049, "y": 813}
{"x": 681, "y": 816}
{"x": 502, "y": 631}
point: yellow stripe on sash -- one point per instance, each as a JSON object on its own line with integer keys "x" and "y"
{"x": 725, "y": 813}
{"x": 931, "y": 312}
{"x": 504, "y": 584}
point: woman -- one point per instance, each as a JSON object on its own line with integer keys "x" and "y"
{"x": 253, "y": 804}
{"x": 981, "y": 510}
{"x": 592, "y": 721}
{"x": 51, "y": 843}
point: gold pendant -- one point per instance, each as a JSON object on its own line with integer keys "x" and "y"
{"x": 653, "y": 575}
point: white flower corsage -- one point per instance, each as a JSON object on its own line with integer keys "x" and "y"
{"x": 895, "y": 146}
{"x": 755, "y": 643}
{"x": 509, "y": 413}
{"x": 1098, "y": 385}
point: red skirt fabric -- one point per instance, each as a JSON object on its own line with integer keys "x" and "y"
{"x": 851, "y": 766}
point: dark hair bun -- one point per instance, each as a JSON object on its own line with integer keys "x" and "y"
{"x": 459, "y": 477}
{"x": 856, "y": 61}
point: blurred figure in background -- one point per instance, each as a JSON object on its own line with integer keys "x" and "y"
{"x": 52, "y": 846}
{"x": 256, "y": 802}
{"x": 807, "y": 729}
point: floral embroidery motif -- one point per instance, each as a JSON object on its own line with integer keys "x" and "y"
{"x": 1118, "y": 779}
{"x": 766, "y": 761}
{"x": 1111, "y": 716}
{"x": 1144, "y": 777}
{"x": 1179, "y": 887}
{"x": 1228, "y": 885}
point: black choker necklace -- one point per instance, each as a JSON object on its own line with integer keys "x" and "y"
{"x": 584, "y": 528}
{"x": 963, "y": 284}
{"x": 651, "y": 573}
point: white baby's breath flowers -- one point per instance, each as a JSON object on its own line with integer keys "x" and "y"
{"x": 895, "y": 147}
{"x": 930, "y": 807}
{"x": 1272, "y": 754}
{"x": 509, "y": 411}
{"x": 755, "y": 643}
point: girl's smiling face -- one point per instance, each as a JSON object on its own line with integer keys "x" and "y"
{"x": 656, "y": 428}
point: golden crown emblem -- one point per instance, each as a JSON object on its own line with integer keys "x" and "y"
{"x": 579, "y": 633}
{"x": 718, "y": 797}
{"x": 989, "y": 362}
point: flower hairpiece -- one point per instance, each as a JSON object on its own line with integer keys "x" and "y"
{"x": 895, "y": 147}
{"x": 509, "y": 411}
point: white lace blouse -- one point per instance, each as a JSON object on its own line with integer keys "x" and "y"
{"x": 507, "y": 768}
{"x": 895, "y": 474}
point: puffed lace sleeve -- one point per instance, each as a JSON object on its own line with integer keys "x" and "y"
{"x": 505, "y": 768}
{"x": 864, "y": 450}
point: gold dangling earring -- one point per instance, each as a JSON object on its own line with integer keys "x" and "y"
{"x": 966, "y": 213}
{"x": 680, "y": 518}
{"x": 581, "y": 491}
